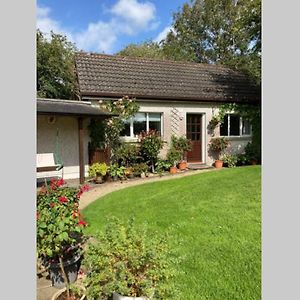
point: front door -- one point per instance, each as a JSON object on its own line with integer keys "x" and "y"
{"x": 194, "y": 133}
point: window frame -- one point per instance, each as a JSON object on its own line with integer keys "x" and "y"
{"x": 240, "y": 127}
{"x": 147, "y": 124}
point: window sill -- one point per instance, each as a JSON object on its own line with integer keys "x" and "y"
{"x": 238, "y": 138}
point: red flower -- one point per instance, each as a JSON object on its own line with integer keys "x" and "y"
{"x": 63, "y": 199}
{"x": 85, "y": 188}
{"x": 79, "y": 194}
{"x": 82, "y": 222}
{"x": 60, "y": 182}
{"x": 52, "y": 204}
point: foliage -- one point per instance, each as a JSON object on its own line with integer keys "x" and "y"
{"x": 150, "y": 145}
{"x": 230, "y": 160}
{"x": 140, "y": 168}
{"x": 123, "y": 108}
{"x": 116, "y": 171}
{"x": 97, "y": 134}
{"x": 56, "y": 76}
{"x": 173, "y": 156}
{"x": 59, "y": 222}
{"x": 162, "y": 165}
{"x": 218, "y": 144}
{"x": 128, "y": 260}
{"x": 98, "y": 169}
{"x": 252, "y": 153}
{"x": 182, "y": 144}
{"x": 213, "y": 31}
{"x": 127, "y": 154}
{"x": 214, "y": 223}
{"x": 145, "y": 50}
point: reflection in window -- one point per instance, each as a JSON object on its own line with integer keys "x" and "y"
{"x": 234, "y": 125}
{"x": 139, "y": 123}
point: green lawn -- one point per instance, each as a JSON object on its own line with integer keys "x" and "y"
{"x": 215, "y": 222}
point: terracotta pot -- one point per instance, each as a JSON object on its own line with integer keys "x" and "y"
{"x": 218, "y": 164}
{"x": 173, "y": 170}
{"x": 182, "y": 165}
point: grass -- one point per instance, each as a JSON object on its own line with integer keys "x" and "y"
{"x": 214, "y": 219}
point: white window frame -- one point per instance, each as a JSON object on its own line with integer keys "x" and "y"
{"x": 147, "y": 123}
{"x": 240, "y": 127}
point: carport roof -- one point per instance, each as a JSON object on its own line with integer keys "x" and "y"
{"x": 69, "y": 108}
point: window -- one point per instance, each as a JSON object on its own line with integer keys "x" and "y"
{"x": 234, "y": 125}
{"x": 142, "y": 122}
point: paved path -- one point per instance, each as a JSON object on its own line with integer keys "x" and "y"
{"x": 100, "y": 190}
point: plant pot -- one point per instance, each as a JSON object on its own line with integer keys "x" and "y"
{"x": 99, "y": 179}
{"x": 71, "y": 267}
{"x": 173, "y": 170}
{"x": 143, "y": 175}
{"x": 117, "y": 296}
{"x": 59, "y": 295}
{"x": 218, "y": 164}
{"x": 182, "y": 165}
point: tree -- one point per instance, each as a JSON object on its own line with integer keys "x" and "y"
{"x": 56, "y": 77}
{"x": 219, "y": 32}
{"x": 144, "y": 50}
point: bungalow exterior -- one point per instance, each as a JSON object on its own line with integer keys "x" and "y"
{"x": 62, "y": 129}
{"x": 175, "y": 98}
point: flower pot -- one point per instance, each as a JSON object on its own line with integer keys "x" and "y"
{"x": 173, "y": 170}
{"x": 218, "y": 164}
{"x": 71, "y": 267}
{"x": 60, "y": 295}
{"x": 182, "y": 165}
{"x": 143, "y": 175}
{"x": 117, "y": 296}
{"x": 99, "y": 179}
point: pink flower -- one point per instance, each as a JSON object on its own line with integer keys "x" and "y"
{"x": 82, "y": 222}
{"x": 63, "y": 199}
{"x": 60, "y": 182}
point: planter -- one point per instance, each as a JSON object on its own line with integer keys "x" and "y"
{"x": 143, "y": 175}
{"x": 182, "y": 165}
{"x": 117, "y": 296}
{"x": 99, "y": 179}
{"x": 61, "y": 294}
{"x": 71, "y": 267}
{"x": 173, "y": 170}
{"x": 218, "y": 164}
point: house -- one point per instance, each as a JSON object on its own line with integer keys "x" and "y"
{"x": 177, "y": 98}
{"x": 62, "y": 129}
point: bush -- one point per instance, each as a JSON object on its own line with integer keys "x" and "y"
{"x": 140, "y": 168}
{"x": 181, "y": 144}
{"x": 127, "y": 154}
{"x": 162, "y": 165}
{"x": 128, "y": 260}
{"x": 151, "y": 144}
{"x": 218, "y": 145}
{"x": 98, "y": 169}
{"x": 173, "y": 156}
{"x": 230, "y": 160}
{"x": 252, "y": 152}
{"x": 115, "y": 171}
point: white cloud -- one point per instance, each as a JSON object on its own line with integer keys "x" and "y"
{"x": 101, "y": 36}
{"x": 45, "y": 23}
{"x": 163, "y": 34}
{"x": 137, "y": 16}
{"x": 128, "y": 17}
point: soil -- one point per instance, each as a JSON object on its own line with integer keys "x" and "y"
{"x": 63, "y": 296}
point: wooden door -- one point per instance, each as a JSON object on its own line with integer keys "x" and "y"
{"x": 194, "y": 133}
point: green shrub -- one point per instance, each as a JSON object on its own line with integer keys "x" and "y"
{"x": 98, "y": 169}
{"x": 128, "y": 260}
{"x": 181, "y": 144}
{"x": 162, "y": 165}
{"x": 127, "y": 154}
{"x": 115, "y": 171}
{"x": 140, "y": 168}
{"x": 230, "y": 160}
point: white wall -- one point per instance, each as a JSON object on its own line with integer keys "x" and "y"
{"x": 68, "y": 144}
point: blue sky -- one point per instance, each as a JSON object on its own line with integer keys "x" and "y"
{"x": 107, "y": 26}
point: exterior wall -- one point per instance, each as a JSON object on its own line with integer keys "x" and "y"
{"x": 177, "y": 125}
{"x": 67, "y": 144}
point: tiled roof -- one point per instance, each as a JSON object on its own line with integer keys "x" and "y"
{"x": 102, "y": 75}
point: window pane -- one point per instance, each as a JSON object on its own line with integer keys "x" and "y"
{"x": 126, "y": 130}
{"x": 224, "y": 126}
{"x": 155, "y": 122}
{"x": 246, "y": 127}
{"x": 139, "y": 123}
{"x": 234, "y": 125}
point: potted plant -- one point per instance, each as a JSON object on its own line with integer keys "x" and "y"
{"x": 140, "y": 169}
{"x": 173, "y": 157}
{"x": 59, "y": 227}
{"x": 98, "y": 171}
{"x": 116, "y": 172}
{"x": 162, "y": 165}
{"x": 127, "y": 262}
{"x": 129, "y": 172}
{"x": 77, "y": 292}
{"x": 218, "y": 145}
{"x": 183, "y": 145}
